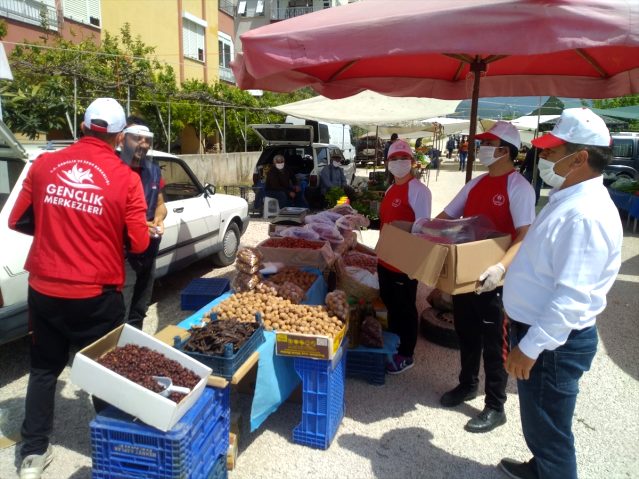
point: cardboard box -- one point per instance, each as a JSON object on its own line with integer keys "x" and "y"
{"x": 320, "y": 258}
{"x": 149, "y": 407}
{"x": 451, "y": 268}
{"x": 307, "y": 345}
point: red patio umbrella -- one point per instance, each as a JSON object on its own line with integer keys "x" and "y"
{"x": 446, "y": 48}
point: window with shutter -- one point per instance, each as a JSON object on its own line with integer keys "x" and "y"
{"x": 193, "y": 40}
{"x": 83, "y": 11}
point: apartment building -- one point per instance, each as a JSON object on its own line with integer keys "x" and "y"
{"x": 74, "y": 20}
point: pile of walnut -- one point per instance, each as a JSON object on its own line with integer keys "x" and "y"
{"x": 279, "y": 314}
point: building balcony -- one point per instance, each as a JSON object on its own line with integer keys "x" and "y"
{"x": 31, "y": 12}
{"x": 226, "y": 74}
{"x": 227, "y": 7}
{"x": 290, "y": 12}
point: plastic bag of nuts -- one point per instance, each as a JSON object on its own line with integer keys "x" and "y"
{"x": 249, "y": 256}
{"x": 245, "y": 282}
{"x": 337, "y": 304}
{"x": 290, "y": 291}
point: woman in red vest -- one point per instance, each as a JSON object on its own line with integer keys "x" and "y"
{"x": 407, "y": 199}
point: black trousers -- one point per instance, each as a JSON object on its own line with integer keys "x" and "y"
{"x": 399, "y": 292}
{"x": 482, "y": 327}
{"x": 56, "y": 324}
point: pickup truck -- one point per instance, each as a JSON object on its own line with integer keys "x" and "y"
{"x": 200, "y": 224}
{"x": 625, "y": 157}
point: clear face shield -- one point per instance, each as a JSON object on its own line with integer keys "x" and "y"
{"x": 137, "y": 140}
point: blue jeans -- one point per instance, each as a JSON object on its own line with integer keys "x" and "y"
{"x": 547, "y": 401}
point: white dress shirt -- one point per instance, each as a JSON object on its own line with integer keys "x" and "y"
{"x": 566, "y": 265}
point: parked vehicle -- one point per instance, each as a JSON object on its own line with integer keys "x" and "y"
{"x": 369, "y": 148}
{"x": 304, "y": 158}
{"x": 330, "y": 133}
{"x": 200, "y": 223}
{"x": 625, "y": 157}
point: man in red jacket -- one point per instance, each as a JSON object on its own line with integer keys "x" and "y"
{"x": 79, "y": 203}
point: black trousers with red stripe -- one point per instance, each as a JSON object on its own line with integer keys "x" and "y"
{"x": 482, "y": 327}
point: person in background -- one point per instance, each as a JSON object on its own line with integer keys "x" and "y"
{"x": 407, "y": 199}
{"x": 135, "y": 142}
{"x": 79, "y": 204}
{"x": 392, "y": 140}
{"x": 332, "y": 175}
{"x": 450, "y": 146}
{"x": 557, "y": 286}
{"x": 528, "y": 170}
{"x": 280, "y": 184}
{"x": 463, "y": 153}
{"x": 508, "y": 200}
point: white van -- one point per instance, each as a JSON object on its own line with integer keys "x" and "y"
{"x": 336, "y": 134}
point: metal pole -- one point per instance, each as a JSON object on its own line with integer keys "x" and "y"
{"x": 477, "y": 66}
{"x": 75, "y": 107}
{"x": 224, "y": 126}
{"x": 245, "y": 134}
{"x": 200, "y": 133}
{"x": 534, "y": 176}
{"x": 169, "y": 139}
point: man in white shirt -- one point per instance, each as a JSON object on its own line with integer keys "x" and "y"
{"x": 555, "y": 288}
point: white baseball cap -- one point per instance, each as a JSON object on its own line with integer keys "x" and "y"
{"x": 107, "y": 110}
{"x": 400, "y": 147}
{"x": 580, "y": 126}
{"x": 502, "y": 130}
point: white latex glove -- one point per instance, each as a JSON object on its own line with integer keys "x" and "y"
{"x": 490, "y": 278}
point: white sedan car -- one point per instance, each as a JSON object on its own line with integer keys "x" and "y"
{"x": 200, "y": 223}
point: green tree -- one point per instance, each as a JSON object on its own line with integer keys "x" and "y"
{"x": 629, "y": 100}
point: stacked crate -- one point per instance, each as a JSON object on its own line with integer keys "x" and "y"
{"x": 194, "y": 448}
{"x": 322, "y": 399}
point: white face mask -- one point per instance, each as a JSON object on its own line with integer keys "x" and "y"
{"x": 547, "y": 172}
{"x": 486, "y": 155}
{"x": 400, "y": 168}
{"x": 279, "y": 166}
{"x": 337, "y": 164}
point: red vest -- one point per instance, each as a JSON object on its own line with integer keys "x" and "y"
{"x": 395, "y": 207}
{"x": 489, "y": 197}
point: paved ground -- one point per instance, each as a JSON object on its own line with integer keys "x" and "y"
{"x": 393, "y": 431}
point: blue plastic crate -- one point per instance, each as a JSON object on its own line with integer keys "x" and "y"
{"x": 366, "y": 365}
{"x": 225, "y": 366}
{"x": 219, "y": 469}
{"x": 202, "y": 291}
{"x": 123, "y": 448}
{"x": 322, "y": 400}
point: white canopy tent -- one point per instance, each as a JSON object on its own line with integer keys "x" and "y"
{"x": 370, "y": 109}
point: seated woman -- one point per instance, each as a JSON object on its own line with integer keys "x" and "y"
{"x": 281, "y": 184}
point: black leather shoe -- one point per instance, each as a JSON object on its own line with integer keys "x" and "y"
{"x": 519, "y": 470}
{"x": 485, "y": 421}
{"x": 456, "y": 396}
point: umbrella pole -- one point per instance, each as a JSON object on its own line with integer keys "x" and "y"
{"x": 476, "y": 67}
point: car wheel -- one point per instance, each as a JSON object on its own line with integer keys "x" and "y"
{"x": 438, "y": 328}
{"x": 230, "y": 245}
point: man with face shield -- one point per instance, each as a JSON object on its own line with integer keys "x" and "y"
{"x": 556, "y": 287}
{"x": 508, "y": 200}
{"x": 135, "y": 142}
{"x": 407, "y": 199}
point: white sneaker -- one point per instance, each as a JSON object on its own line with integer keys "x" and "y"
{"x": 33, "y": 465}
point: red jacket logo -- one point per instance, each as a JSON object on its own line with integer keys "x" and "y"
{"x": 499, "y": 200}
{"x": 76, "y": 178}
{"x": 396, "y": 202}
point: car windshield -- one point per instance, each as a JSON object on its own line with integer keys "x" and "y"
{"x": 9, "y": 173}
